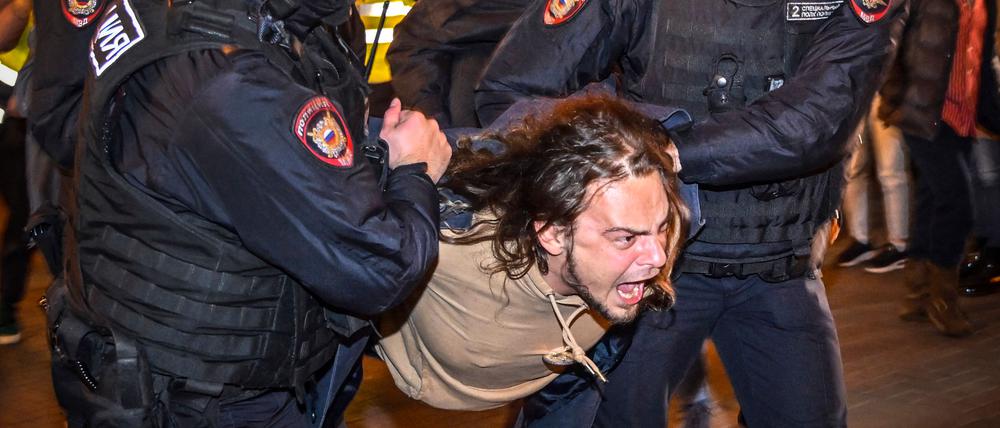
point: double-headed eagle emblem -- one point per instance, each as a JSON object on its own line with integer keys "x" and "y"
{"x": 328, "y": 137}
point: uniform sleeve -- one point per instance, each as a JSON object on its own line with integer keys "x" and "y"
{"x": 804, "y": 126}
{"x": 539, "y": 59}
{"x": 357, "y": 247}
{"x": 428, "y": 38}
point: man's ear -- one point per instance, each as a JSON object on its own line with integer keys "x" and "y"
{"x": 551, "y": 237}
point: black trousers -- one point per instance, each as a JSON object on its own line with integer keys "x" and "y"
{"x": 777, "y": 342}
{"x": 14, "y": 192}
{"x": 942, "y": 217}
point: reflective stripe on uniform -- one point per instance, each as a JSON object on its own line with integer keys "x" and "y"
{"x": 384, "y": 37}
{"x": 396, "y": 8}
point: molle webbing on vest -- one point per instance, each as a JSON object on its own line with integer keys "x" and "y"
{"x": 749, "y": 43}
{"x": 696, "y": 34}
{"x": 202, "y": 306}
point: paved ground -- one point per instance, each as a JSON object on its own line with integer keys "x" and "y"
{"x": 898, "y": 374}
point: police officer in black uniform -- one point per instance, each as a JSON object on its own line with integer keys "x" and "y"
{"x": 776, "y": 87}
{"x": 232, "y": 225}
{"x": 439, "y": 50}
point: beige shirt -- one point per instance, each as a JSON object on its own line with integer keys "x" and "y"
{"x": 473, "y": 341}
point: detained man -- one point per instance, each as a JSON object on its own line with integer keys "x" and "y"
{"x": 574, "y": 228}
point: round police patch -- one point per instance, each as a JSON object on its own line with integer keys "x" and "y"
{"x": 559, "y": 11}
{"x": 79, "y": 13}
{"x": 870, "y": 11}
{"x": 320, "y": 128}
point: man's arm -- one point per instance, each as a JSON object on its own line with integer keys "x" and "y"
{"x": 330, "y": 225}
{"x": 539, "y": 59}
{"x": 804, "y": 126}
{"x": 13, "y": 18}
{"x": 431, "y": 33}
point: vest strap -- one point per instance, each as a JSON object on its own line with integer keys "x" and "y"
{"x": 783, "y": 269}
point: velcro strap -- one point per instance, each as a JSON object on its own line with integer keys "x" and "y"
{"x": 134, "y": 378}
{"x": 227, "y": 23}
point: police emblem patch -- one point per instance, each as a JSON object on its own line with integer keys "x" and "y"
{"x": 870, "y": 11}
{"x": 320, "y": 128}
{"x": 79, "y": 13}
{"x": 559, "y": 11}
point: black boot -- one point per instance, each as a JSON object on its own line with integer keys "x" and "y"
{"x": 985, "y": 277}
{"x": 973, "y": 258}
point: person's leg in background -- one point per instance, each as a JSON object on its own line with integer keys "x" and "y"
{"x": 893, "y": 177}
{"x": 695, "y": 396}
{"x": 981, "y": 272}
{"x": 14, "y": 251}
{"x": 856, "y": 210}
{"x": 942, "y": 221}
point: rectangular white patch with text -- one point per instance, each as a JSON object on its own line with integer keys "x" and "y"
{"x": 118, "y": 31}
{"x": 811, "y": 11}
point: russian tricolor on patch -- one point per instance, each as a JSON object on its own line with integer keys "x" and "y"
{"x": 79, "y": 13}
{"x": 870, "y": 11}
{"x": 320, "y": 127}
{"x": 560, "y": 11}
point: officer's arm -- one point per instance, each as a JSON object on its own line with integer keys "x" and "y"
{"x": 554, "y": 60}
{"x": 804, "y": 126}
{"x": 13, "y": 17}
{"x": 330, "y": 226}
{"x": 428, "y": 38}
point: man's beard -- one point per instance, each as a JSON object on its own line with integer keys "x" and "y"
{"x": 571, "y": 278}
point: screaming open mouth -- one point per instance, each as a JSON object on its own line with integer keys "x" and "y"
{"x": 631, "y": 292}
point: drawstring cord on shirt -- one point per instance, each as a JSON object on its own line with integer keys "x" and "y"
{"x": 578, "y": 354}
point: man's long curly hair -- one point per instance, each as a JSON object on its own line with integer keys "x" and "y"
{"x": 546, "y": 171}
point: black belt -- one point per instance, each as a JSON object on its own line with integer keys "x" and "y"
{"x": 777, "y": 270}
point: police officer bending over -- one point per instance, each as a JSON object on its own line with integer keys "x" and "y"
{"x": 775, "y": 88}
{"x": 227, "y": 225}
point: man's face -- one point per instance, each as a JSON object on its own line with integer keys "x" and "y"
{"x": 617, "y": 247}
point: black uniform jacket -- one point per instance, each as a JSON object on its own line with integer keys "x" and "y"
{"x": 796, "y": 130}
{"x": 211, "y": 133}
{"x": 439, "y": 50}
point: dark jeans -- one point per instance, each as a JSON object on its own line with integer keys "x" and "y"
{"x": 986, "y": 190}
{"x": 14, "y": 192}
{"x": 942, "y": 217}
{"x": 777, "y": 342}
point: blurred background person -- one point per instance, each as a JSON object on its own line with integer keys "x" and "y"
{"x": 980, "y": 272}
{"x": 938, "y": 120}
{"x": 14, "y": 17}
{"x": 440, "y": 50}
{"x": 884, "y": 145}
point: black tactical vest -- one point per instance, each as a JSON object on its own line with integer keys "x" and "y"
{"x": 711, "y": 56}
{"x": 200, "y": 304}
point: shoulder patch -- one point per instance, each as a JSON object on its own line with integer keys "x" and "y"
{"x": 320, "y": 127}
{"x": 810, "y": 10}
{"x": 870, "y": 11}
{"x": 119, "y": 30}
{"x": 79, "y": 13}
{"x": 559, "y": 11}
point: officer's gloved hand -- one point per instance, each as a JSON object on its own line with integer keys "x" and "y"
{"x": 414, "y": 138}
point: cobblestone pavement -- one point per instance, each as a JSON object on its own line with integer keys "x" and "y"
{"x": 898, "y": 374}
